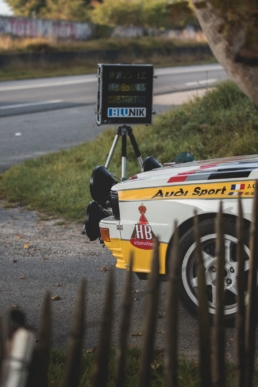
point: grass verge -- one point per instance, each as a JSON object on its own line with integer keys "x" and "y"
{"x": 159, "y": 51}
{"x": 223, "y": 123}
{"x": 188, "y": 372}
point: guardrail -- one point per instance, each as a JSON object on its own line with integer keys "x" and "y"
{"x": 24, "y": 364}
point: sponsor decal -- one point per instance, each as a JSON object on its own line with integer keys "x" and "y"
{"x": 126, "y": 112}
{"x": 237, "y": 189}
{"x": 196, "y": 191}
{"x": 143, "y": 237}
{"x": 223, "y": 190}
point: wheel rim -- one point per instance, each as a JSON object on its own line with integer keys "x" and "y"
{"x": 189, "y": 275}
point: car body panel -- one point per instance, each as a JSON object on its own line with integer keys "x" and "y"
{"x": 150, "y": 202}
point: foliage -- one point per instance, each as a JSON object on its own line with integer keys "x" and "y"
{"x": 77, "y": 10}
{"x": 182, "y": 13}
{"x": 144, "y": 13}
{"x": 223, "y": 123}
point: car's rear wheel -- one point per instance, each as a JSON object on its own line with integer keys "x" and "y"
{"x": 188, "y": 280}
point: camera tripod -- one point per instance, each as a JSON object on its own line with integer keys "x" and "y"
{"x": 124, "y": 131}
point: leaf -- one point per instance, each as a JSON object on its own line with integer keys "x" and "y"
{"x": 230, "y": 338}
{"x": 27, "y": 245}
{"x": 18, "y": 236}
{"x": 57, "y": 285}
{"x": 137, "y": 334}
{"x": 104, "y": 268}
{"x": 92, "y": 350}
{"x": 135, "y": 299}
{"x": 15, "y": 306}
{"x": 136, "y": 291}
{"x": 155, "y": 365}
{"x": 55, "y": 298}
{"x": 21, "y": 277}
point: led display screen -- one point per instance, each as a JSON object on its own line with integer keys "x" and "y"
{"x": 125, "y": 93}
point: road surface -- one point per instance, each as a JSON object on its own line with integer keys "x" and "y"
{"x": 45, "y": 115}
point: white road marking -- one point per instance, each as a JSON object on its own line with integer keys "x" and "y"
{"x": 21, "y": 105}
{"x": 204, "y": 82}
{"x": 48, "y": 84}
{"x": 188, "y": 69}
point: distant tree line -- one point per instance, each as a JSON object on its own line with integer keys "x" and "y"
{"x": 144, "y": 13}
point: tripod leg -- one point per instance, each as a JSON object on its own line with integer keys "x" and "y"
{"x": 135, "y": 146}
{"x": 112, "y": 150}
{"x": 124, "y": 133}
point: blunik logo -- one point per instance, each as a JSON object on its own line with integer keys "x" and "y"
{"x": 143, "y": 236}
{"x": 126, "y": 112}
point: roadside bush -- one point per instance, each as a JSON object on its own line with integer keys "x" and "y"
{"x": 145, "y": 13}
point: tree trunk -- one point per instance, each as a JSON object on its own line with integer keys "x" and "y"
{"x": 234, "y": 43}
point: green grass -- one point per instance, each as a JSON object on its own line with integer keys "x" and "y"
{"x": 223, "y": 123}
{"x": 132, "y": 51}
{"x": 188, "y": 371}
{"x": 145, "y": 45}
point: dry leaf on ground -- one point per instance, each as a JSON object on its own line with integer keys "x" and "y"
{"x": 26, "y": 245}
{"x": 55, "y": 298}
{"x": 92, "y": 350}
{"x": 21, "y": 277}
{"x": 104, "y": 268}
{"x": 15, "y": 306}
{"x": 137, "y": 334}
{"x": 155, "y": 365}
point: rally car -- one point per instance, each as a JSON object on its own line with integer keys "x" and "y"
{"x": 128, "y": 215}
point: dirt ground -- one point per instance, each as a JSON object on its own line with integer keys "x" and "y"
{"x": 39, "y": 253}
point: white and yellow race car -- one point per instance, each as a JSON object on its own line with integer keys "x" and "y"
{"x": 127, "y": 216}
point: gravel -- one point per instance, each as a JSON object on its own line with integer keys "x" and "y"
{"x": 38, "y": 253}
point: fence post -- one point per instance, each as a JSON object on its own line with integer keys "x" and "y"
{"x": 203, "y": 312}
{"x": 150, "y": 319}
{"x": 38, "y": 375}
{"x": 73, "y": 362}
{"x": 101, "y": 370}
{"x": 240, "y": 315}
{"x": 2, "y": 351}
{"x": 124, "y": 327}
{"x": 171, "y": 311}
{"x": 17, "y": 365}
{"x": 219, "y": 329}
{"x": 251, "y": 312}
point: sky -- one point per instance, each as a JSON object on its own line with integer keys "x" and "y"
{"x": 4, "y": 8}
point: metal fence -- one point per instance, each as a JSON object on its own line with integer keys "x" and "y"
{"x": 23, "y": 364}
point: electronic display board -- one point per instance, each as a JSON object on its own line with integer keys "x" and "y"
{"x": 125, "y": 93}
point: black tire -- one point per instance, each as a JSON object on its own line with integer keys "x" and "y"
{"x": 188, "y": 280}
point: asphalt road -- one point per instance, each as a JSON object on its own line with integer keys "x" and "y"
{"x": 45, "y": 115}
{"x": 36, "y": 255}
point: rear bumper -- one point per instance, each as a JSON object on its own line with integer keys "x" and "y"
{"x": 115, "y": 243}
